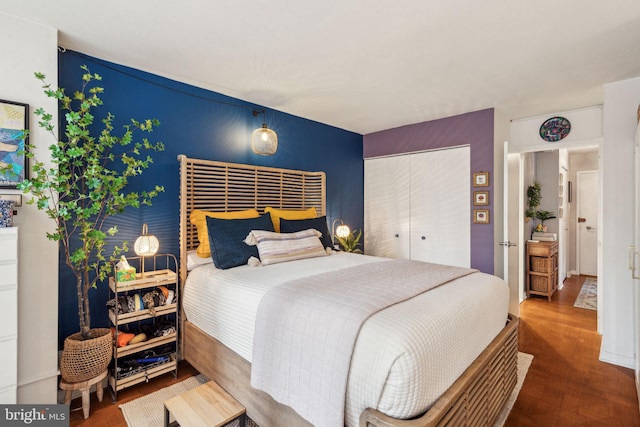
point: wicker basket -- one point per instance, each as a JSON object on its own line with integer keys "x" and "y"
{"x": 539, "y": 264}
{"x": 83, "y": 360}
{"x": 540, "y": 283}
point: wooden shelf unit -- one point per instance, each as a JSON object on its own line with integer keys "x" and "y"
{"x": 542, "y": 268}
{"x": 166, "y": 276}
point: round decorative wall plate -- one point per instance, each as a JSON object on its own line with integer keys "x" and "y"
{"x": 555, "y": 129}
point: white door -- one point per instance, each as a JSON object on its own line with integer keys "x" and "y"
{"x": 513, "y": 247}
{"x": 387, "y": 206}
{"x": 440, "y": 212}
{"x": 587, "y": 222}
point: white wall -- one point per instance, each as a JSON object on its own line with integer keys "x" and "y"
{"x": 621, "y": 100}
{"x": 547, "y": 164}
{"x": 586, "y": 129}
{"x": 27, "y": 47}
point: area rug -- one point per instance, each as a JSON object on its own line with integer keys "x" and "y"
{"x": 588, "y": 296}
{"x": 148, "y": 411}
{"x": 524, "y": 361}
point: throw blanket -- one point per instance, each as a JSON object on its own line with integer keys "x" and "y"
{"x": 306, "y": 330}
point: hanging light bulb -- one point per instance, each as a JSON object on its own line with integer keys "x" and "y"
{"x": 342, "y": 231}
{"x": 145, "y": 245}
{"x": 264, "y": 141}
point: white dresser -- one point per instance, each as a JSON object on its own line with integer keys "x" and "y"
{"x": 8, "y": 314}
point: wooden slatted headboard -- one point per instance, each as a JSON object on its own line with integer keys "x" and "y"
{"x": 222, "y": 187}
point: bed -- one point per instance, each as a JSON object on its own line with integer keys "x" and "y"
{"x": 474, "y": 398}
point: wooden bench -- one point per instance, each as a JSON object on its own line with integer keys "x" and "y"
{"x": 207, "y": 405}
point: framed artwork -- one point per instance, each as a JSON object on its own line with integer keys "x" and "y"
{"x": 14, "y": 125}
{"x": 480, "y": 198}
{"x": 481, "y": 179}
{"x": 481, "y": 216}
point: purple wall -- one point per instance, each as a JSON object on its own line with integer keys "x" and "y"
{"x": 474, "y": 129}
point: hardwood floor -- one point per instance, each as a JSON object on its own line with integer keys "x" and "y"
{"x": 108, "y": 414}
{"x": 566, "y": 384}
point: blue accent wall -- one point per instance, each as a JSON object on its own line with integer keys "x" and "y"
{"x": 204, "y": 124}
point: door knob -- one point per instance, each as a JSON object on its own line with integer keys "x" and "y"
{"x": 591, "y": 228}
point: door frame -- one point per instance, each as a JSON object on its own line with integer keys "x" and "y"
{"x": 514, "y": 216}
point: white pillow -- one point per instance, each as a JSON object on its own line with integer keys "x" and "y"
{"x": 193, "y": 260}
{"x": 281, "y": 247}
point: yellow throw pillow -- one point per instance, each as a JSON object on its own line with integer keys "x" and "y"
{"x": 276, "y": 214}
{"x": 199, "y": 219}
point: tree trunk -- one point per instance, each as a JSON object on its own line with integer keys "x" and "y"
{"x": 83, "y": 306}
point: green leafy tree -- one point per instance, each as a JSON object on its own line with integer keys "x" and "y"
{"x": 87, "y": 182}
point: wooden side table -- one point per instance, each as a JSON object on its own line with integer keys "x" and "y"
{"x": 542, "y": 268}
{"x": 85, "y": 388}
{"x": 207, "y": 405}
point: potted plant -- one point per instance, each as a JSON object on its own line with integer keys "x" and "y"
{"x": 534, "y": 195}
{"x": 351, "y": 242}
{"x": 86, "y": 184}
{"x": 543, "y": 216}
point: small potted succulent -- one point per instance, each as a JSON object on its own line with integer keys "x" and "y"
{"x": 543, "y": 216}
{"x": 351, "y": 242}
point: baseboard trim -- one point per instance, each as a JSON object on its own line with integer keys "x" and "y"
{"x": 618, "y": 359}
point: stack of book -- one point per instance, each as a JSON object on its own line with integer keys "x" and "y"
{"x": 544, "y": 237}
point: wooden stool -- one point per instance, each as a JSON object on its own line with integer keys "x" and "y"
{"x": 207, "y": 405}
{"x": 85, "y": 388}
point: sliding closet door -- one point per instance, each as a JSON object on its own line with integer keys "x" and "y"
{"x": 440, "y": 212}
{"x": 387, "y": 206}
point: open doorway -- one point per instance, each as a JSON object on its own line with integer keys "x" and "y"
{"x": 558, "y": 172}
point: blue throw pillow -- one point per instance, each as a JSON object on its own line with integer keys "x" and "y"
{"x": 319, "y": 223}
{"x": 226, "y": 238}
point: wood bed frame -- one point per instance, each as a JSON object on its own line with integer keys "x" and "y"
{"x": 476, "y": 398}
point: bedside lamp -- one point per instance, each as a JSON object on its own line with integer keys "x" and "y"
{"x": 145, "y": 245}
{"x": 340, "y": 231}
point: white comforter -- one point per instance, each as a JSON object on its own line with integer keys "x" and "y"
{"x": 405, "y": 357}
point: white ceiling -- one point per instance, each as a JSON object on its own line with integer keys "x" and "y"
{"x": 363, "y": 65}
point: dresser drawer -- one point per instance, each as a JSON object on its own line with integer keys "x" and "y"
{"x": 8, "y": 395}
{"x": 542, "y": 249}
{"x": 9, "y": 362}
{"x": 8, "y": 274}
{"x": 8, "y": 244}
{"x": 9, "y": 312}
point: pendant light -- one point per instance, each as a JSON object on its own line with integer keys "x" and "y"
{"x": 264, "y": 141}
